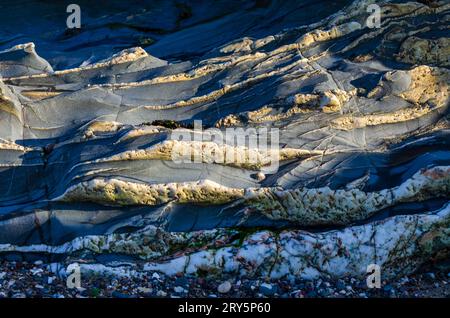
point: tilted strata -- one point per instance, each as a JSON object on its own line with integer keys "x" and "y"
{"x": 398, "y": 245}
{"x": 303, "y": 205}
{"x": 343, "y": 206}
{"x": 91, "y": 164}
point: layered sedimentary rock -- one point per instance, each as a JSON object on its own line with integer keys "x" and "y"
{"x": 356, "y": 170}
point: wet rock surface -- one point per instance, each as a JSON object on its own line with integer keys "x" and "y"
{"x": 88, "y": 126}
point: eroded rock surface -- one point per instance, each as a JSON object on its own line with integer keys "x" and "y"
{"x": 362, "y": 171}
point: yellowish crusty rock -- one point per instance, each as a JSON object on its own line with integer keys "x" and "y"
{"x": 415, "y": 50}
{"x": 330, "y": 100}
{"x": 6, "y": 145}
{"x": 349, "y": 122}
{"x": 8, "y": 106}
{"x": 326, "y": 206}
{"x": 211, "y": 152}
{"x": 428, "y": 90}
{"x": 265, "y": 114}
{"x": 141, "y": 131}
{"x": 242, "y": 45}
{"x": 428, "y": 84}
{"x": 228, "y": 121}
{"x": 118, "y": 192}
{"x": 100, "y": 126}
{"x": 39, "y": 94}
{"x": 326, "y": 35}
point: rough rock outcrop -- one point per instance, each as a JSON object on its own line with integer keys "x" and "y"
{"x": 101, "y": 157}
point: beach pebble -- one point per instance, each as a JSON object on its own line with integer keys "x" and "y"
{"x": 267, "y": 289}
{"x": 178, "y": 289}
{"x": 224, "y": 288}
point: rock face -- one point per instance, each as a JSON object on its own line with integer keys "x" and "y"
{"x": 103, "y": 157}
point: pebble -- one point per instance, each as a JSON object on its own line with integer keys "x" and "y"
{"x": 20, "y": 280}
{"x": 156, "y": 276}
{"x": 267, "y": 289}
{"x": 224, "y": 288}
{"x": 260, "y": 176}
{"x": 36, "y": 271}
{"x": 430, "y": 276}
{"x": 119, "y": 295}
{"x": 145, "y": 290}
{"x": 178, "y": 289}
{"x": 161, "y": 293}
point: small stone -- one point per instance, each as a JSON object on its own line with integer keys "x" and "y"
{"x": 161, "y": 293}
{"x": 430, "y": 276}
{"x": 36, "y": 271}
{"x": 145, "y": 290}
{"x": 155, "y": 276}
{"x": 260, "y": 176}
{"x": 387, "y": 288}
{"x": 267, "y": 289}
{"x": 224, "y": 288}
{"x": 178, "y": 289}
